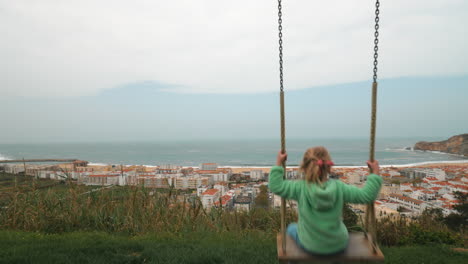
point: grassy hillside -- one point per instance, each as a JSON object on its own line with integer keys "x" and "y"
{"x": 228, "y": 247}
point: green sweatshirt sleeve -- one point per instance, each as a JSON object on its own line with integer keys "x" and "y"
{"x": 367, "y": 194}
{"x": 284, "y": 188}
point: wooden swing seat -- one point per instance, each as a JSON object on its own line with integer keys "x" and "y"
{"x": 359, "y": 249}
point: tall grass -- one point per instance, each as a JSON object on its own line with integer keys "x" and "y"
{"x": 129, "y": 209}
{"x": 423, "y": 230}
{"x": 137, "y": 210}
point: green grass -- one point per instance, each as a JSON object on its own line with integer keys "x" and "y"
{"x": 227, "y": 247}
{"x": 23, "y": 247}
{"x": 131, "y": 224}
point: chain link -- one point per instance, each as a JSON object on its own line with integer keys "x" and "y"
{"x": 280, "y": 42}
{"x": 376, "y": 40}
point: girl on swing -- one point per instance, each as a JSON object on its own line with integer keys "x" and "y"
{"x": 320, "y": 229}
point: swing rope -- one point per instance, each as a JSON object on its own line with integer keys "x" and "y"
{"x": 370, "y": 221}
{"x": 282, "y": 117}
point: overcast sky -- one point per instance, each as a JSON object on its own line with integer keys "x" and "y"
{"x": 78, "y": 52}
{"x": 75, "y": 48}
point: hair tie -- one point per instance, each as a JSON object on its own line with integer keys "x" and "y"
{"x": 328, "y": 162}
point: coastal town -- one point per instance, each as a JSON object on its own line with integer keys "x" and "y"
{"x": 406, "y": 191}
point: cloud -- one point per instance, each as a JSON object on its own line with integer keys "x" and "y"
{"x": 76, "y": 48}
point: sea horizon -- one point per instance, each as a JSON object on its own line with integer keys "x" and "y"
{"x": 229, "y": 152}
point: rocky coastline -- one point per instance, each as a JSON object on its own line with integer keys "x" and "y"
{"x": 455, "y": 145}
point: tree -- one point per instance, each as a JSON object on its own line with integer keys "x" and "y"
{"x": 459, "y": 220}
{"x": 262, "y": 198}
{"x": 395, "y": 182}
{"x": 434, "y": 213}
{"x": 416, "y": 181}
{"x": 462, "y": 206}
{"x": 431, "y": 217}
{"x": 349, "y": 217}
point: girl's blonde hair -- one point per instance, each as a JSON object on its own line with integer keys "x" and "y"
{"x": 313, "y": 172}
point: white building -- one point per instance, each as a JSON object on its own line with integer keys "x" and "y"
{"x": 154, "y": 181}
{"x": 256, "y": 175}
{"x": 416, "y": 195}
{"x": 406, "y": 186}
{"x": 292, "y": 174}
{"x": 169, "y": 167}
{"x": 217, "y": 177}
{"x": 458, "y": 188}
{"x": 277, "y": 202}
{"x": 223, "y": 189}
{"x": 250, "y": 191}
{"x": 14, "y": 168}
{"x": 243, "y": 203}
{"x": 439, "y": 174}
{"x": 388, "y": 189}
{"x": 353, "y": 178}
{"x": 55, "y": 175}
{"x": 415, "y": 205}
{"x": 103, "y": 179}
{"x": 201, "y": 189}
{"x": 208, "y": 166}
{"x": 209, "y": 197}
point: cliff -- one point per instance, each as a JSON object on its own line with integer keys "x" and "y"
{"x": 454, "y": 145}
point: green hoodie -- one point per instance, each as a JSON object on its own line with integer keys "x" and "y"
{"x": 320, "y": 226}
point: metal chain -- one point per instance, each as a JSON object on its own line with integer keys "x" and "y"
{"x": 280, "y": 35}
{"x": 370, "y": 223}
{"x": 376, "y": 40}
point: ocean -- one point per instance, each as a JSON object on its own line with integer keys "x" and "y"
{"x": 248, "y": 153}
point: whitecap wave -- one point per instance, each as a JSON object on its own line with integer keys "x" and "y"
{"x": 400, "y": 149}
{"x": 430, "y": 163}
{"x": 440, "y": 153}
{"x": 97, "y": 164}
{"x": 3, "y": 157}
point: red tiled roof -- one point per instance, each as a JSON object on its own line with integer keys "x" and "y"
{"x": 224, "y": 199}
{"x": 208, "y": 171}
{"x": 404, "y": 198}
{"x": 210, "y": 192}
{"x": 464, "y": 187}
